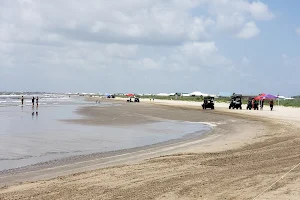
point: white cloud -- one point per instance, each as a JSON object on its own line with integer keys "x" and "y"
{"x": 245, "y": 61}
{"x": 122, "y": 51}
{"x": 197, "y": 56}
{"x": 59, "y": 37}
{"x": 284, "y": 56}
{"x": 230, "y": 23}
{"x": 131, "y": 21}
{"x": 298, "y": 31}
{"x": 249, "y": 30}
{"x": 260, "y": 11}
{"x": 255, "y": 9}
{"x": 148, "y": 63}
{"x": 190, "y": 56}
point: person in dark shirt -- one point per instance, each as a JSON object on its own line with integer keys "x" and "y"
{"x": 32, "y": 101}
{"x": 37, "y": 101}
{"x": 271, "y": 104}
{"x": 22, "y": 100}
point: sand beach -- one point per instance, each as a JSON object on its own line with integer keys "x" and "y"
{"x": 246, "y": 155}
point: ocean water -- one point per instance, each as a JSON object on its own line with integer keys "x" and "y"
{"x": 30, "y": 135}
{"x": 44, "y": 99}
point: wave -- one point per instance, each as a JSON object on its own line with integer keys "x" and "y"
{"x": 16, "y": 158}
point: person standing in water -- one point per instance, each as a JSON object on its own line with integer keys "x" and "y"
{"x": 37, "y": 101}
{"x": 22, "y": 100}
{"x": 32, "y": 101}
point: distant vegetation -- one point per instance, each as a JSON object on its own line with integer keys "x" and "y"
{"x": 289, "y": 103}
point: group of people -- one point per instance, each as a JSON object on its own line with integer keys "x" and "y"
{"x": 261, "y": 103}
{"x": 33, "y": 100}
{"x": 254, "y": 104}
{"x": 271, "y": 104}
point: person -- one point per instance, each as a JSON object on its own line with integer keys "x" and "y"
{"x": 262, "y": 104}
{"x": 22, "y": 100}
{"x": 32, "y": 101}
{"x": 37, "y": 101}
{"x": 255, "y": 105}
{"x": 271, "y": 104}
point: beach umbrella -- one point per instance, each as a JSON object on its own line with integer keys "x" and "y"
{"x": 130, "y": 95}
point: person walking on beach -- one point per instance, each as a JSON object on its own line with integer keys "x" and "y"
{"x": 37, "y": 101}
{"x": 262, "y": 104}
{"x": 22, "y": 100}
{"x": 32, "y": 101}
{"x": 271, "y": 104}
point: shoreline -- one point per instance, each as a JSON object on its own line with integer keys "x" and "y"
{"x": 15, "y": 175}
{"x": 225, "y": 139}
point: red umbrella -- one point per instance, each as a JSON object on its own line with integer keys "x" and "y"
{"x": 261, "y": 96}
{"x": 130, "y": 95}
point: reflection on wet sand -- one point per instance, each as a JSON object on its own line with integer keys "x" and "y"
{"x": 25, "y": 141}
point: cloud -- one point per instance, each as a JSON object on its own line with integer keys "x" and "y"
{"x": 284, "y": 56}
{"x": 129, "y": 22}
{"x": 298, "y": 31}
{"x": 59, "y": 38}
{"x": 245, "y": 61}
{"x": 260, "y": 11}
{"x": 191, "y": 56}
{"x": 255, "y": 9}
{"x": 230, "y": 23}
{"x": 233, "y": 16}
{"x": 249, "y": 30}
{"x": 148, "y": 63}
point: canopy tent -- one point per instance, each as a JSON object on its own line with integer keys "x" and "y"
{"x": 270, "y": 97}
{"x": 259, "y": 97}
{"x": 265, "y": 97}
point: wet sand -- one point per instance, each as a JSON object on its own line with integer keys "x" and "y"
{"x": 242, "y": 156}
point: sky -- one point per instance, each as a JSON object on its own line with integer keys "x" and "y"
{"x": 150, "y": 46}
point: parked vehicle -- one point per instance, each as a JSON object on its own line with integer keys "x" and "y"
{"x": 133, "y": 99}
{"x": 236, "y": 102}
{"x": 208, "y": 102}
